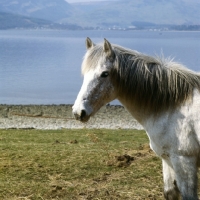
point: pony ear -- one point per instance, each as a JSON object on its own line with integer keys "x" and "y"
{"x": 107, "y": 48}
{"x": 89, "y": 43}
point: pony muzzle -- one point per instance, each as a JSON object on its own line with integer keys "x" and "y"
{"x": 82, "y": 116}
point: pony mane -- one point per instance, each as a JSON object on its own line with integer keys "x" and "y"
{"x": 152, "y": 84}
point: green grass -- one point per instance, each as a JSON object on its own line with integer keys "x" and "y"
{"x": 78, "y": 164}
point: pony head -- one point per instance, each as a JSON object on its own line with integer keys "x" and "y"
{"x": 97, "y": 88}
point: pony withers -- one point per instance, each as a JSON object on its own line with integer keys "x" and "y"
{"x": 163, "y": 96}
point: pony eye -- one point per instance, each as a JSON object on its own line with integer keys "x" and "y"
{"x": 104, "y": 74}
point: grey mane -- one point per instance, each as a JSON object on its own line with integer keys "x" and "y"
{"x": 152, "y": 84}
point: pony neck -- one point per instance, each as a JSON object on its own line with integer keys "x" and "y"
{"x": 140, "y": 115}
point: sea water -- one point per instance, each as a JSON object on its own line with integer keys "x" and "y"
{"x": 44, "y": 66}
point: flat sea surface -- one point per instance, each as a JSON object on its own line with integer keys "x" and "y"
{"x": 44, "y": 66}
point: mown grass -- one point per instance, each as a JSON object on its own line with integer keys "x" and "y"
{"x": 78, "y": 164}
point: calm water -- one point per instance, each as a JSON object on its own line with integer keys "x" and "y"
{"x": 43, "y": 67}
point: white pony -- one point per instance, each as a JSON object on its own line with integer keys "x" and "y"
{"x": 162, "y": 95}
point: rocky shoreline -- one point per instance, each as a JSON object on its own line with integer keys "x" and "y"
{"x": 60, "y": 116}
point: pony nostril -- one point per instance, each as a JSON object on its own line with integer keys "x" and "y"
{"x": 83, "y": 114}
{"x": 76, "y": 116}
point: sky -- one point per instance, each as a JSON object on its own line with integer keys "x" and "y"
{"x": 74, "y": 1}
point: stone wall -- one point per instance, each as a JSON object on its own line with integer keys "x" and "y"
{"x": 60, "y": 116}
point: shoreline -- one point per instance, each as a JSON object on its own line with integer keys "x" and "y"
{"x": 55, "y": 117}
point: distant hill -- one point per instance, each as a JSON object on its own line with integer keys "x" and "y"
{"x": 52, "y": 10}
{"x": 120, "y": 13}
{"x": 126, "y": 12}
{"x": 13, "y": 21}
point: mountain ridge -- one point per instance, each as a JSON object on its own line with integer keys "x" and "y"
{"x": 105, "y": 14}
{"x": 157, "y": 11}
{"x": 15, "y": 21}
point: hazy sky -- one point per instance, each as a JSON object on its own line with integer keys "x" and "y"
{"x": 74, "y": 1}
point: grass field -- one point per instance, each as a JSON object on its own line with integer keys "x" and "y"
{"x": 78, "y": 164}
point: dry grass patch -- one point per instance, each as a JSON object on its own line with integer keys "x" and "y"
{"x": 78, "y": 164}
